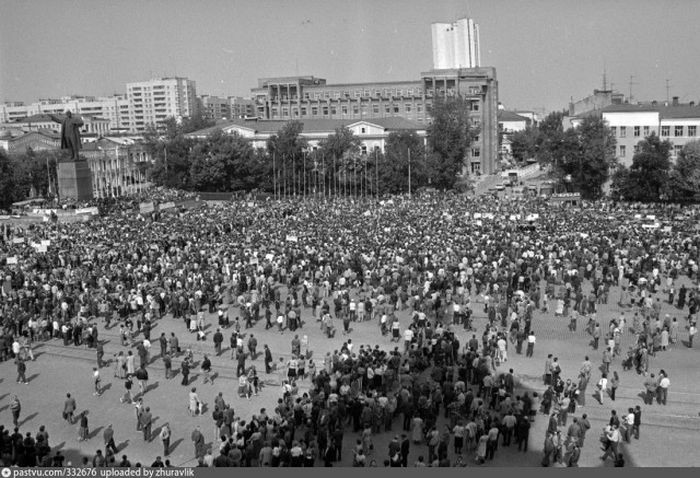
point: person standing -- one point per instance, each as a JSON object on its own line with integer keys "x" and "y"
{"x": 21, "y": 370}
{"x": 165, "y": 434}
{"x": 69, "y": 407}
{"x": 531, "y": 339}
{"x": 100, "y": 352}
{"x": 163, "y": 342}
{"x": 692, "y": 331}
{"x": 16, "y": 409}
{"x": 146, "y": 421}
{"x": 96, "y": 377}
{"x": 83, "y": 430}
{"x": 607, "y": 359}
{"x": 613, "y": 384}
{"x": 268, "y": 360}
{"x": 142, "y": 376}
{"x": 650, "y": 386}
{"x": 602, "y": 387}
{"x": 168, "y": 363}
{"x": 174, "y": 345}
{"x": 110, "y": 446}
{"x": 662, "y": 389}
{"x": 218, "y": 339}
{"x": 206, "y": 370}
{"x": 185, "y": 370}
{"x": 637, "y": 421}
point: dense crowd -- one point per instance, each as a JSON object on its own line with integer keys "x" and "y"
{"x": 350, "y": 260}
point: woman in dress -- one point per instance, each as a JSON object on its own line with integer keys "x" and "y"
{"x": 120, "y": 366}
{"x": 194, "y": 406}
{"x": 417, "y": 430}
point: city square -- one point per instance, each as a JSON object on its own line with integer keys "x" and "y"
{"x": 376, "y": 235}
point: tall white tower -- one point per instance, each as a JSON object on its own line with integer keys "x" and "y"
{"x": 456, "y": 45}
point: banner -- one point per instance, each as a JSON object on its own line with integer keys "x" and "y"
{"x": 18, "y": 240}
{"x": 88, "y": 210}
{"x": 11, "y": 261}
{"x": 146, "y": 207}
{"x": 166, "y": 205}
{"x": 291, "y": 238}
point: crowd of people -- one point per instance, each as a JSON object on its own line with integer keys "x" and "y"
{"x": 418, "y": 267}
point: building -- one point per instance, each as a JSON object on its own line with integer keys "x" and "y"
{"x": 456, "y": 45}
{"x": 152, "y": 102}
{"x": 114, "y": 109}
{"x": 631, "y": 123}
{"x": 118, "y": 166}
{"x": 309, "y": 97}
{"x": 92, "y": 125}
{"x": 17, "y": 141}
{"x": 510, "y": 122}
{"x": 217, "y": 108}
{"x": 372, "y": 133}
{"x": 590, "y": 104}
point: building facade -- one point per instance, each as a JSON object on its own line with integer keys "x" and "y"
{"x": 114, "y": 109}
{"x": 309, "y": 97}
{"x": 152, "y": 102}
{"x": 218, "y": 108}
{"x": 118, "y": 166}
{"x": 372, "y": 133}
{"x": 631, "y": 123}
{"x": 92, "y": 125}
{"x": 456, "y": 45}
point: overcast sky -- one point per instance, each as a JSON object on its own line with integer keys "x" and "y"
{"x": 544, "y": 51}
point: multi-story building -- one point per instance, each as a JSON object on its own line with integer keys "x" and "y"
{"x": 217, "y": 108}
{"x": 92, "y": 125}
{"x": 456, "y": 45}
{"x": 152, "y": 102}
{"x": 309, "y": 97}
{"x": 114, "y": 109}
{"x": 118, "y": 166}
{"x": 591, "y": 104}
{"x": 631, "y": 123}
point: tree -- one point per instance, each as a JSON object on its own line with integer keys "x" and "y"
{"x": 684, "y": 178}
{"x": 286, "y": 150}
{"x": 394, "y": 165}
{"x": 172, "y": 162}
{"x": 648, "y": 177}
{"x": 221, "y": 163}
{"x": 525, "y": 143}
{"x": 341, "y": 154}
{"x": 449, "y": 136}
{"x": 583, "y": 157}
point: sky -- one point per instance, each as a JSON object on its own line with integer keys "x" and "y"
{"x": 545, "y": 51}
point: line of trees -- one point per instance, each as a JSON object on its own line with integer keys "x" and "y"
{"x": 653, "y": 178}
{"x": 581, "y": 159}
{"x": 287, "y": 166}
{"x": 30, "y": 174}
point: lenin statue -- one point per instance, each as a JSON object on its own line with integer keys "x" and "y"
{"x": 70, "y": 133}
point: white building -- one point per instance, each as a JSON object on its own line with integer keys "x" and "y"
{"x": 114, "y": 109}
{"x": 677, "y": 123}
{"x": 372, "y": 133}
{"x": 456, "y": 45}
{"x": 152, "y": 102}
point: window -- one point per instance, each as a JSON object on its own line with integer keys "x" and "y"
{"x": 344, "y": 109}
{"x": 334, "y": 110}
{"x": 285, "y": 111}
{"x": 295, "y": 112}
{"x": 677, "y": 150}
{"x": 314, "y": 111}
{"x": 375, "y": 109}
{"x": 623, "y": 131}
{"x": 363, "y": 130}
{"x": 637, "y": 131}
{"x": 692, "y": 130}
{"x": 325, "y": 111}
{"x": 665, "y": 131}
{"x": 407, "y": 107}
{"x": 614, "y": 130}
{"x": 678, "y": 131}
{"x": 355, "y": 109}
{"x": 623, "y": 151}
{"x": 476, "y": 152}
{"x": 474, "y": 105}
{"x": 387, "y": 108}
{"x": 396, "y": 108}
{"x": 303, "y": 110}
{"x": 419, "y": 108}
{"x": 477, "y": 138}
{"x": 646, "y": 131}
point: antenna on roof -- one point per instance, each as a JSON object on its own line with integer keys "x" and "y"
{"x": 630, "y": 85}
{"x": 605, "y": 79}
{"x": 668, "y": 88}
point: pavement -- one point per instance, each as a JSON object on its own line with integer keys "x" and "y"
{"x": 667, "y": 432}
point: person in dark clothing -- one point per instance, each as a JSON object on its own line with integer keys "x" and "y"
{"x": 185, "y": 371}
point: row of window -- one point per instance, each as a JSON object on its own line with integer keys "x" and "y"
{"x": 366, "y": 93}
{"x": 345, "y": 109}
{"x": 623, "y": 150}
{"x": 644, "y": 131}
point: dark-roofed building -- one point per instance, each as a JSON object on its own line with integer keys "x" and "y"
{"x": 311, "y": 98}
{"x": 16, "y": 141}
{"x": 372, "y": 132}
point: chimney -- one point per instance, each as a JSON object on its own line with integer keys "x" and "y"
{"x": 675, "y": 101}
{"x": 692, "y": 103}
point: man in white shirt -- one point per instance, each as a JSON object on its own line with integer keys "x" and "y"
{"x": 530, "y": 344}
{"x": 662, "y": 392}
{"x": 629, "y": 424}
{"x": 407, "y": 338}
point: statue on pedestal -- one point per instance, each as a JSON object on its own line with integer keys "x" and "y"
{"x": 70, "y": 133}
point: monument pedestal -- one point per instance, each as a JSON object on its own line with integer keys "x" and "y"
{"x": 74, "y": 180}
